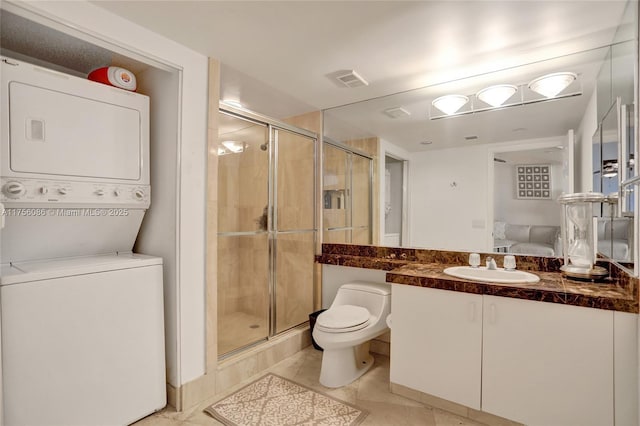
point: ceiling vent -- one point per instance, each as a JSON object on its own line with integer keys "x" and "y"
{"x": 351, "y": 79}
{"x": 396, "y": 112}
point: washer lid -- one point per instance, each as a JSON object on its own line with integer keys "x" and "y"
{"x": 343, "y": 316}
{"x": 22, "y": 272}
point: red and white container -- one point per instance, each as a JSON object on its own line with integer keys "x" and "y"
{"x": 114, "y": 76}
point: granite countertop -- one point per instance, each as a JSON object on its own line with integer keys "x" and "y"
{"x": 553, "y": 287}
{"x": 424, "y": 268}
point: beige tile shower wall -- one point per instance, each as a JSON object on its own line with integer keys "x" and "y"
{"x": 370, "y": 147}
{"x": 243, "y": 180}
{"x": 228, "y": 274}
{"x": 253, "y": 276}
{"x": 243, "y": 275}
{"x": 312, "y": 122}
{"x": 295, "y": 182}
{"x": 295, "y": 278}
{"x": 336, "y": 237}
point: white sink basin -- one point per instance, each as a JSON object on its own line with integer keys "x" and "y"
{"x": 491, "y": 275}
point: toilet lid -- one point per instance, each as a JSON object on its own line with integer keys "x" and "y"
{"x": 343, "y": 316}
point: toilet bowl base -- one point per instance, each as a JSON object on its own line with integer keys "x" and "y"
{"x": 342, "y": 366}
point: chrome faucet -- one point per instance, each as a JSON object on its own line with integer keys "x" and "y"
{"x": 491, "y": 263}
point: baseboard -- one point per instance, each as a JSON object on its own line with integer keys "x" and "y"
{"x": 173, "y": 395}
{"x": 452, "y": 407}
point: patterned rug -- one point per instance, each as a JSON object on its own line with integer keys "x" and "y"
{"x": 273, "y": 400}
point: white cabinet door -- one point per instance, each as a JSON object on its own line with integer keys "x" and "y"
{"x": 436, "y": 342}
{"x": 625, "y": 368}
{"x": 547, "y": 364}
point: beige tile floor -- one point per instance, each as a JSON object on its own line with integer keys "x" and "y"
{"x": 370, "y": 392}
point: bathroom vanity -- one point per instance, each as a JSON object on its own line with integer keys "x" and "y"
{"x": 553, "y": 352}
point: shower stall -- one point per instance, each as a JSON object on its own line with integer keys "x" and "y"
{"x": 267, "y": 228}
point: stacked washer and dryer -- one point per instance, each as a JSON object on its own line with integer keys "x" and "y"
{"x": 81, "y": 316}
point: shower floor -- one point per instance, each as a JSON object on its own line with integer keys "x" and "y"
{"x": 238, "y": 329}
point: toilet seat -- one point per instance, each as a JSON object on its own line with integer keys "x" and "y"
{"x": 343, "y": 318}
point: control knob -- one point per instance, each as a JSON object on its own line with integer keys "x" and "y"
{"x": 62, "y": 191}
{"x": 99, "y": 192}
{"x": 14, "y": 189}
{"x": 44, "y": 190}
{"x": 139, "y": 194}
{"x": 116, "y": 192}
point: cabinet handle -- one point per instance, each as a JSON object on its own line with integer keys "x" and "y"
{"x": 472, "y": 311}
{"x": 492, "y": 313}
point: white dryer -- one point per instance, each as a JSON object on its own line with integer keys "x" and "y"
{"x": 74, "y": 164}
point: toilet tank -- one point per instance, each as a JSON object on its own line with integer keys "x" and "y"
{"x": 373, "y": 296}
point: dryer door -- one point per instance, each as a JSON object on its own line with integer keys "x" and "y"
{"x": 55, "y": 133}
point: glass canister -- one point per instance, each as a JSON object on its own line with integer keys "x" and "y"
{"x": 578, "y": 240}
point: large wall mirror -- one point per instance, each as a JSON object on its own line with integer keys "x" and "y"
{"x": 485, "y": 175}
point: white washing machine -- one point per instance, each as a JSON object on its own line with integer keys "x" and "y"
{"x": 81, "y": 316}
{"x": 82, "y": 340}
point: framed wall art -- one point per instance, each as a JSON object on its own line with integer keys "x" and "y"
{"x": 533, "y": 181}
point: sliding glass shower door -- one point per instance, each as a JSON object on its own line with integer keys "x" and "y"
{"x": 266, "y": 230}
{"x": 243, "y": 237}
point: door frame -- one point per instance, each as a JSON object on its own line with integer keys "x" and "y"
{"x": 526, "y": 145}
{"x": 404, "y": 215}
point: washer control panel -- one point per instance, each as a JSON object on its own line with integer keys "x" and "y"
{"x": 59, "y": 191}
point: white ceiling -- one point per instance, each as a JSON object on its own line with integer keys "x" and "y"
{"x": 289, "y": 47}
{"x": 277, "y": 55}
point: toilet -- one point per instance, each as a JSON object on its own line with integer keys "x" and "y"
{"x": 357, "y": 315}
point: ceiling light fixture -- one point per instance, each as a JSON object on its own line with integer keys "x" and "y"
{"x": 496, "y": 95}
{"x": 234, "y": 146}
{"x": 551, "y": 85}
{"x": 450, "y": 104}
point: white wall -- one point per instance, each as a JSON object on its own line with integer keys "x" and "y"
{"x": 583, "y": 148}
{"x": 334, "y": 276}
{"x": 448, "y": 193}
{"x": 188, "y": 300}
{"x": 510, "y": 209}
{"x": 452, "y": 194}
{"x": 393, "y": 220}
{"x": 158, "y": 234}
